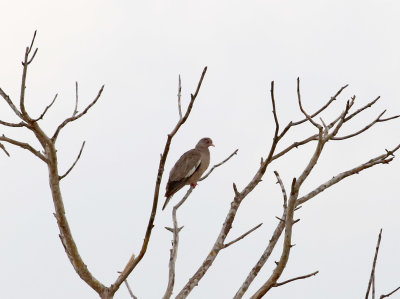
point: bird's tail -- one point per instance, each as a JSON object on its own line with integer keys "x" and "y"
{"x": 166, "y": 202}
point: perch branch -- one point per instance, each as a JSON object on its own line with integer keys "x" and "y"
{"x": 175, "y": 230}
{"x": 133, "y": 262}
{"x": 175, "y": 244}
{"x": 217, "y": 165}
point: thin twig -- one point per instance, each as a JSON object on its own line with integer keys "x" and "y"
{"x": 128, "y": 287}
{"x": 179, "y": 98}
{"x": 76, "y": 100}
{"x": 282, "y": 189}
{"x": 274, "y": 110}
{"x": 371, "y": 278}
{"x": 73, "y": 165}
{"x": 77, "y": 116}
{"x": 278, "y": 284}
{"x": 4, "y": 149}
{"x": 368, "y": 105}
{"x": 378, "y": 119}
{"x": 217, "y": 165}
{"x": 10, "y": 103}
{"x": 25, "y": 64}
{"x": 47, "y": 108}
{"x": 389, "y": 294}
{"x": 241, "y": 236}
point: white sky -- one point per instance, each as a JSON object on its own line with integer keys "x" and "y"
{"x": 137, "y": 49}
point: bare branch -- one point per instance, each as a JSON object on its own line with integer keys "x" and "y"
{"x": 272, "y": 280}
{"x": 381, "y": 159}
{"x": 179, "y": 98}
{"x": 73, "y": 165}
{"x": 274, "y": 110}
{"x": 389, "y": 118}
{"x": 77, "y": 116}
{"x": 389, "y": 294}
{"x": 133, "y": 262}
{"x": 217, "y": 165}
{"x": 282, "y": 188}
{"x": 14, "y": 125}
{"x": 322, "y": 108}
{"x": 33, "y": 40}
{"x": 175, "y": 244}
{"x": 10, "y": 103}
{"x": 241, "y": 236}
{"x": 24, "y": 145}
{"x": 370, "y": 104}
{"x": 371, "y": 278}
{"x": 378, "y": 119}
{"x": 295, "y": 145}
{"x": 278, "y": 284}
{"x": 46, "y": 109}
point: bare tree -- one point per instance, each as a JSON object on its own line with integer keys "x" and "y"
{"x": 292, "y": 200}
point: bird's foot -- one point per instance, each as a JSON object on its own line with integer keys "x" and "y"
{"x": 193, "y": 185}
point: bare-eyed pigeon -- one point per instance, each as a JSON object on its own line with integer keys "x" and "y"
{"x": 189, "y": 168}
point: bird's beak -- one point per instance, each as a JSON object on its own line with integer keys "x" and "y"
{"x": 212, "y": 144}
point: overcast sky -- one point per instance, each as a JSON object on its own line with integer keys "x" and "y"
{"x": 137, "y": 49}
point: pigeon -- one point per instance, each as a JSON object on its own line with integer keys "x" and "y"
{"x": 189, "y": 168}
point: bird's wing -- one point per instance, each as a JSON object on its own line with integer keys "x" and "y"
{"x": 186, "y": 165}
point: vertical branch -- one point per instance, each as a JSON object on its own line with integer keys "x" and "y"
{"x": 286, "y": 245}
{"x": 175, "y": 244}
{"x": 25, "y": 64}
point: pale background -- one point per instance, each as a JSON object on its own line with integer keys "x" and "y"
{"x": 137, "y": 49}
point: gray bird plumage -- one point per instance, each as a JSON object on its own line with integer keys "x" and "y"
{"x": 189, "y": 168}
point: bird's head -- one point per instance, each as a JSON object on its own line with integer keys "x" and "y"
{"x": 205, "y": 143}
